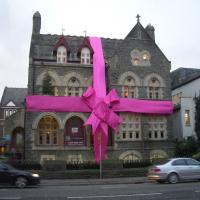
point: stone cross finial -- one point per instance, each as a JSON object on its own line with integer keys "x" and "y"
{"x": 85, "y": 32}
{"x": 63, "y": 29}
{"x": 138, "y": 18}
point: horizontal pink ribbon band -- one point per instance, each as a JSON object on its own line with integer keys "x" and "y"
{"x": 37, "y": 103}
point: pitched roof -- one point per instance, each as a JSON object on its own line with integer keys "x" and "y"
{"x": 86, "y": 43}
{"x": 134, "y": 32}
{"x": 182, "y": 76}
{"x": 43, "y": 46}
{"x": 61, "y": 42}
{"x": 16, "y": 95}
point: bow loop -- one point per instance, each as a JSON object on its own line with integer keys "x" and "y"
{"x": 112, "y": 97}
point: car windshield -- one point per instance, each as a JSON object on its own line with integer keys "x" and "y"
{"x": 7, "y": 166}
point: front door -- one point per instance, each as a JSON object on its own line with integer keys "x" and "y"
{"x": 75, "y": 132}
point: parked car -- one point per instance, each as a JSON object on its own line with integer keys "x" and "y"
{"x": 175, "y": 170}
{"x": 19, "y": 178}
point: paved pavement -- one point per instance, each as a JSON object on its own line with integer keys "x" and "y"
{"x": 71, "y": 182}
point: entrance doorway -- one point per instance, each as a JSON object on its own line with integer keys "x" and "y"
{"x": 75, "y": 132}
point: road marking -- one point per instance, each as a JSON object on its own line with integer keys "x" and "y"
{"x": 197, "y": 191}
{"x": 10, "y": 198}
{"x": 109, "y": 196}
{"x": 114, "y": 186}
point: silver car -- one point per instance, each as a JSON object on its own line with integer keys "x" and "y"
{"x": 175, "y": 170}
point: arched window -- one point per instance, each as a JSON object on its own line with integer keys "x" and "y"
{"x": 73, "y": 87}
{"x": 154, "y": 89}
{"x": 131, "y": 157}
{"x": 135, "y": 57}
{"x": 48, "y": 131}
{"x": 146, "y": 57}
{"x": 85, "y": 56}
{"x": 157, "y": 155}
{"x": 61, "y": 54}
{"x": 129, "y": 88}
{"x": 75, "y": 132}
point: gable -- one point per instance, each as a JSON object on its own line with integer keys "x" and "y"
{"x": 138, "y": 32}
{"x": 10, "y": 104}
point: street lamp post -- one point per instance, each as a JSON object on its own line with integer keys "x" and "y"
{"x": 100, "y": 155}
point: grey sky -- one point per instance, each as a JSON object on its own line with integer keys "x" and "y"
{"x": 176, "y": 23}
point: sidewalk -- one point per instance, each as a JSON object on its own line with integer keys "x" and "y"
{"x": 73, "y": 182}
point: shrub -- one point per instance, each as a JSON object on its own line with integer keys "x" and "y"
{"x": 186, "y": 148}
{"x": 136, "y": 163}
{"x": 112, "y": 164}
{"x": 197, "y": 156}
{"x": 26, "y": 165}
{"x": 84, "y": 165}
{"x": 54, "y": 165}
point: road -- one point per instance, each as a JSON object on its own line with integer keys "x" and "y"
{"x": 143, "y": 191}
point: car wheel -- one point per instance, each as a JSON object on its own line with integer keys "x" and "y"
{"x": 173, "y": 178}
{"x": 21, "y": 182}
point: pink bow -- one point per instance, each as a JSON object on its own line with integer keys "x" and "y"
{"x": 101, "y": 117}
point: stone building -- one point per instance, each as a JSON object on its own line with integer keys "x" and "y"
{"x": 135, "y": 67}
{"x": 185, "y": 86}
{"x": 12, "y": 120}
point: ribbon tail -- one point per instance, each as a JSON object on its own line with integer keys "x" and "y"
{"x": 93, "y": 121}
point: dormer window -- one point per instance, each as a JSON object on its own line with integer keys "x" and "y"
{"x": 85, "y": 56}
{"x": 61, "y": 54}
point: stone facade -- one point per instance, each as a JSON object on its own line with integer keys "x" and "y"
{"x": 135, "y": 67}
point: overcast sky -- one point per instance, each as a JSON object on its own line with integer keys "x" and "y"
{"x": 176, "y": 23}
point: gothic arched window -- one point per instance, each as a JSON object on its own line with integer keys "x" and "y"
{"x": 154, "y": 89}
{"x": 85, "y": 56}
{"x": 48, "y": 131}
{"x": 61, "y": 54}
{"x": 135, "y": 57}
{"x": 129, "y": 88}
{"x": 73, "y": 87}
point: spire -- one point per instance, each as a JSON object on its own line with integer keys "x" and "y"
{"x": 138, "y": 17}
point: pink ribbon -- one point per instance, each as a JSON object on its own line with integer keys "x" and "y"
{"x": 94, "y": 100}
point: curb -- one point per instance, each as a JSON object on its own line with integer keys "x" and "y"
{"x": 64, "y": 182}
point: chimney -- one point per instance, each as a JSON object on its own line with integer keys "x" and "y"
{"x": 150, "y": 30}
{"x": 36, "y": 23}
